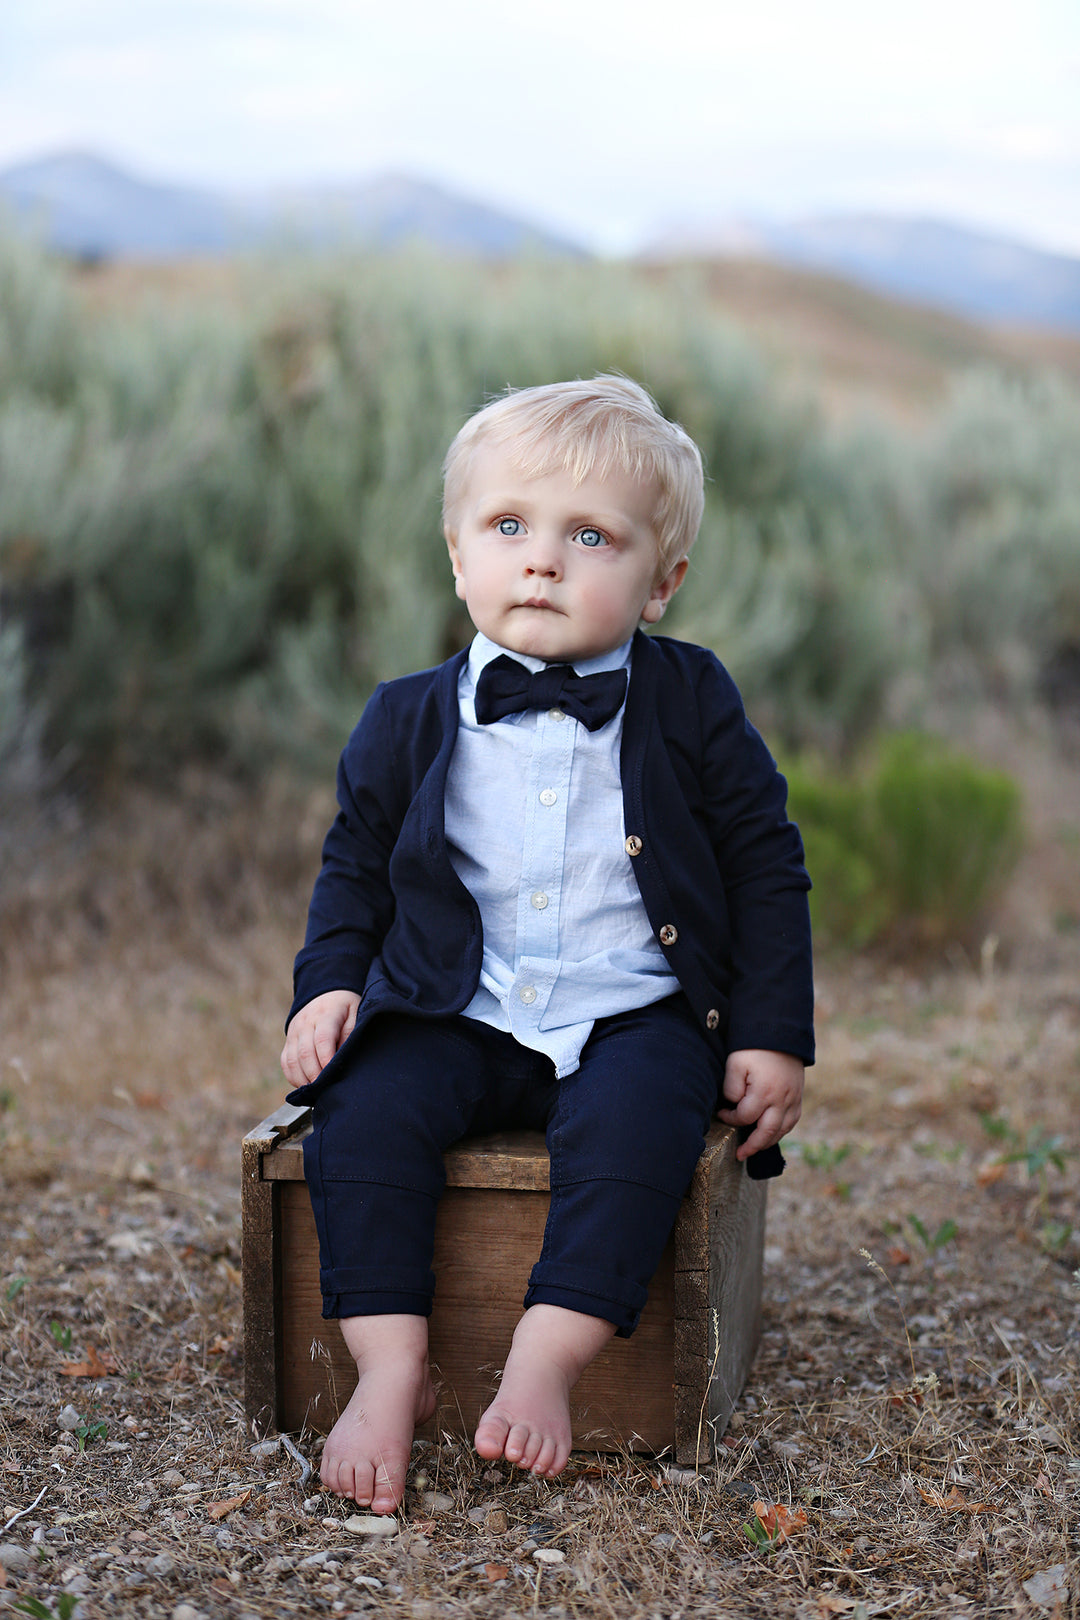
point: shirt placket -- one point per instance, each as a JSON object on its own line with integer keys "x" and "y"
{"x": 536, "y": 965}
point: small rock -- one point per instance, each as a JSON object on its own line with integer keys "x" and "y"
{"x": 663, "y": 1541}
{"x": 369, "y": 1581}
{"x": 173, "y": 1478}
{"x": 161, "y": 1566}
{"x": 78, "y": 1585}
{"x": 316, "y": 1561}
{"x": 266, "y": 1448}
{"x": 681, "y": 1476}
{"x": 68, "y": 1420}
{"x": 436, "y": 1501}
{"x": 1049, "y": 1588}
{"x": 312, "y": 1504}
{"x": 549, "y": 1555}
{"x": 144, "y": 1504}
{"x": 478, "y": 1515}
{"x": 496, "y": 1522}
{"x": 372, "y": 1525}
{"x": 15, "y": 1559}
{"x": 187, "y": 1611}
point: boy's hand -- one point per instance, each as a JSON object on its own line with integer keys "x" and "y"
{"x": 763, "y": 1089}
{"x": 315, "y": 1034}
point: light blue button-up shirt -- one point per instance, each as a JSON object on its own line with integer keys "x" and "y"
{"x": 534, "y": 828}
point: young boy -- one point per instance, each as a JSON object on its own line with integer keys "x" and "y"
{"x": 561, "y": 892}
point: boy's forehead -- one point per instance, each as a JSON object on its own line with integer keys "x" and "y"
{"x": 498, "y": 461}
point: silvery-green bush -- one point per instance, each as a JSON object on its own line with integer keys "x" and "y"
{"x": 219, "y": 520}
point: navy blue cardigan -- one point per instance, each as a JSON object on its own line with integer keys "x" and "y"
{"x": 720, "y": 867}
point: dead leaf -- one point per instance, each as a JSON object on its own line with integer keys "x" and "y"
{"x": 96, "y": 1365}
{"x": 990, "y": 1173}
{"x": 778, "y": 1521}
{"x": 219, "y": 1510}
{"x": 897, "y": 1256}
{"x": 3, "y": 1576}
{"x": 232, "y": 1273}
{"x": 955, "y": 1502}
{"x": 221, "y": 1346}
{"x": 496, "y": 1572}
{"x": 1043, "y": 1484}
{"x": 10, "y": 1468}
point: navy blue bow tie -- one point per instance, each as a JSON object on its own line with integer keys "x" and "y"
{"x": 506, "y": 687}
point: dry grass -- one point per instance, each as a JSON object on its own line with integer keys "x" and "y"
{"x": 919, "y": 1405}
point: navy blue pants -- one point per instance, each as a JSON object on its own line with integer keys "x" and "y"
{"x": 624, "y": 1134}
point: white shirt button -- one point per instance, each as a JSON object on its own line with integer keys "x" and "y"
{"x": 527, "y": 994}
{"x": 538, "y": 899}
{"x": 556, "y": 714}
{"x": 548, "y": 796}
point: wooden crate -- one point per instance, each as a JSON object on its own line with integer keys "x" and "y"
{"x": 673, "y": 1384}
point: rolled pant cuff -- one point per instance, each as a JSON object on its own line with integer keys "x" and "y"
{"x": 376, "y": 1291}
{"x": 620, "y": 1301}
{"x": 401, "y": 1304}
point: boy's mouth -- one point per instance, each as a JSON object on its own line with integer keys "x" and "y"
{"x": 539, "y": 602}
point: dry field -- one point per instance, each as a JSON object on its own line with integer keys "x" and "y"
{"x": 914, "y": 1413}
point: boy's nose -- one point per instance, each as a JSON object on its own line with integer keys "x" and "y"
{"x": 544, "y": 558}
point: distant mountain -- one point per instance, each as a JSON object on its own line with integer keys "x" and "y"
{"x": 987, "y": 278}
{"x": 89, "y": 208}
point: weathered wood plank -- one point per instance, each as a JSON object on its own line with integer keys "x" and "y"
{"x": 672, "y": 1383}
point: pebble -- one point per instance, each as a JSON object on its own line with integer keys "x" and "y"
{"x": 436, "y": 1501}
{"x": 312, "y": 1504}
{"x": 682, "y": 1476}
{"x": 496, "y": 1522}
{"x": 663, "y": 1541}
{"x": 478, "y": 1515}
{"x": 266, "y": 1448}
{"x": 187, "y": 1611}
{"x": 368, "y": 1581}
{"x": 372, "y": 1524}
{"x": 1049, "y": 1589}
{"x": 162, "y": 1565}
{"x": 15, "y": 1559}
{"x": 173, "y": 1478}
{"x": 68, "y": 1420}
{"x": 549, "y": 1555}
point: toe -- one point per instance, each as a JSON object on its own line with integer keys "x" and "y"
{"x": 491, "y": 1436}
{"x": 516, "y": 1442}
{"x": 544, "y": 1458}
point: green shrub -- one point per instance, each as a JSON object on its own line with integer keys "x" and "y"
{"x": 913, "y": 845}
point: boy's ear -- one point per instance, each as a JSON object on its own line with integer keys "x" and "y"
{"x": 663, "y": 590}
{"x": 455, "y": 563}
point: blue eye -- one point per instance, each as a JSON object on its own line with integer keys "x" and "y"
{"x": 591, "y": 537}
{"x": 509, "y": 526}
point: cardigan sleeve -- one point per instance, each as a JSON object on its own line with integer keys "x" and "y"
{"x": 760, "y": 857}
{"x": 352, "y": 905}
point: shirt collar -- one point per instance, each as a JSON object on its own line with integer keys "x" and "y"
{"x": 483, "y": 650}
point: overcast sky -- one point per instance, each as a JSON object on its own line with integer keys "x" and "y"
{"x": 607, "y": 119}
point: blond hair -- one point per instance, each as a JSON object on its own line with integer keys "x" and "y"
{"x": 588, "y": 427}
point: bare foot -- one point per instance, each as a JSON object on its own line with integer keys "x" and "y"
{"x": 366, "y": 1456}
{"x": 528, "y": 1422}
